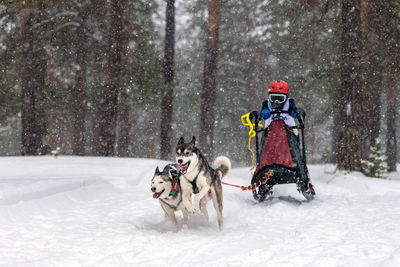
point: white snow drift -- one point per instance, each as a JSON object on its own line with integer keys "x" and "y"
{"x": 79, "y": 211}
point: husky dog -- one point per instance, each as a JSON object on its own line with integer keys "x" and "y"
{"x": 199, "y": 178}
{"x": 166, "y": 188}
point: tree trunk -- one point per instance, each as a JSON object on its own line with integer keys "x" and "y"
{"x": 350, "y": 117}
{"x": 79, "y": 94}
{"x": 124, "y": 103}
{"x": 336, "y": 129}
{"x": 109, "y": 102}
{"x": 391, "y": 117}
{"x": 99, "y": 48}
{"x": 383, "y": 28}
{"x": 209, "y": 92}
{"x": 167, "y": 95}
{"x": 124, "y": 123}
{"x": 35, "y": 139}
{"x": 365, "y": 65}
{"x": 29, "y": 144}
{"x": 369, "y": 70}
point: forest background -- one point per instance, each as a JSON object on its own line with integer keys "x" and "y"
{"x": 128, "y": 78}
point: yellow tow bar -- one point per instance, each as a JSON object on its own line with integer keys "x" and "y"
{"x": 252, "y": 133}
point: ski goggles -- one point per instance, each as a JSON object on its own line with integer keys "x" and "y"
{"x": 280, "y": 98}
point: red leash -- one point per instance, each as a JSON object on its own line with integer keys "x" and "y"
{"x": 253, "y": 186}
{"x": 234, "y": 185}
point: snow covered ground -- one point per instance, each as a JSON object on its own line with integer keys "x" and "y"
{"x": 82, "y": 211}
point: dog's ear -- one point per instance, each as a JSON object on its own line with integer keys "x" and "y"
{"x": 157, "y": 171}
{"x": 166, "y": 170}
{"x": 193, "y": 142}
{"x": 181, "y": 141}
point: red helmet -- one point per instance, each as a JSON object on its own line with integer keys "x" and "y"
{"x": 279, "y": 87}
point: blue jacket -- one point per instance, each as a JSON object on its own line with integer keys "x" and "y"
{"x": 266, "y": 112}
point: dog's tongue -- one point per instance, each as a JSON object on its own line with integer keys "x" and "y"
{"x": 157, "y": 195}
{"x": 183, "y": 167}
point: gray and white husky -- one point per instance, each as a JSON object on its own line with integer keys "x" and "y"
{"x": 165, "y": 186}
{"x": 199, "y": 178}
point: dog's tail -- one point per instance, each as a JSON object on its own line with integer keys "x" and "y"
{"x": 223, "y": 166}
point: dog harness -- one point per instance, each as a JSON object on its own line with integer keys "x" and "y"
{"x": 175, "y": 187}
{"x": 172, "y": 206}
{"x": 175, "y": 174}
{"x": 194, "y": 185}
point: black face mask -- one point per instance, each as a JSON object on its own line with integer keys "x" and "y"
{"x": 276, "y": 105}
{"x": 277, "y": 101}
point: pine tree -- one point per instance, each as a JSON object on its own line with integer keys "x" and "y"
{"x": 376, "y": 164}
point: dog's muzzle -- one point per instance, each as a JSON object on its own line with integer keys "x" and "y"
{"x": 183, "y": 167}
{"x": 156, "y": 195}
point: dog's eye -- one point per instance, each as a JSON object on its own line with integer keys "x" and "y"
{"x": 187, "y": 153}
{"x": 160, "y": 182}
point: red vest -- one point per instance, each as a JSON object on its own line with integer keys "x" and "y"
{"x": 276, "y": 147}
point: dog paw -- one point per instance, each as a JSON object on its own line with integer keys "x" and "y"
{"x": 192, "y": 210}
{"x": 197, "y": 207}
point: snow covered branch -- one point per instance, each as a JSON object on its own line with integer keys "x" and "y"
{"x": 67, "y": 24}
{"x": 7, "y": 12}
{"x": 56, "y": 18}
{"x": 3, "y": 129}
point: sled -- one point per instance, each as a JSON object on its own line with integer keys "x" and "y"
{"x": 280, "y": 157}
